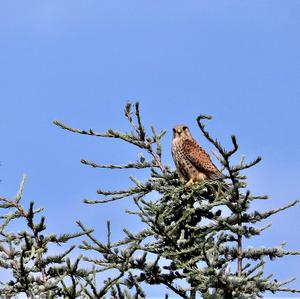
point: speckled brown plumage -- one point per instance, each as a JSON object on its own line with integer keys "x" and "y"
{"x": 192, "y": 162}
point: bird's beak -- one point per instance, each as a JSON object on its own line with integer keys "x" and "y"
{"x": 179, "y": 131}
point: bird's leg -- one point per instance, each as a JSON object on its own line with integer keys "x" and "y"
{"x": 189, "y": 183}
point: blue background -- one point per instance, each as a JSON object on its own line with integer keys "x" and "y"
{"x": 80, "y": 61}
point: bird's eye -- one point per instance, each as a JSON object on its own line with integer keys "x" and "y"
{"x": 174, "y": 130}
{"x": 184, "y": 128}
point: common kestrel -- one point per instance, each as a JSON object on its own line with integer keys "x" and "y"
{"x": 192, "y": 162}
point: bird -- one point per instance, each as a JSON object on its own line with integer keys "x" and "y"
{"x": 193, "y": 164}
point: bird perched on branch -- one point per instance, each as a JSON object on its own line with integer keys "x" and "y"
{"x": 192, "y": 162}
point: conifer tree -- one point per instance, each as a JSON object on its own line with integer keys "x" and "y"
{"x": 192, "y": 243}
{"x": 30, "y": 269}
{"x": 193, "y": 239}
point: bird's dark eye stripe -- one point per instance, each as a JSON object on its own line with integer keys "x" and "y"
{"x": 184, "y": 128}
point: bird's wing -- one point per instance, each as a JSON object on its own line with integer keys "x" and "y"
{"x": 199, "y": 158}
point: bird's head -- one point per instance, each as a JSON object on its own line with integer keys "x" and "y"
{"x": 181, "y": 131}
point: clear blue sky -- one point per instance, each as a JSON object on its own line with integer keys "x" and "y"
{"x": 80, "y": 61}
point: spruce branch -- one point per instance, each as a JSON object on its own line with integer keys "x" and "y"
{"x": 136, "y": 165}
{"x": 138, "y": 138}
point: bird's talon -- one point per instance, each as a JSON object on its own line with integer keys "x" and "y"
{"x": 189, "y": 183}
